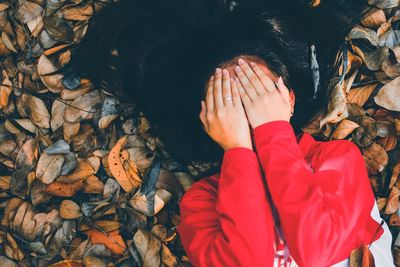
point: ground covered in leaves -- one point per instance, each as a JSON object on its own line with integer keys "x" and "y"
{"x": 84, "y": 183}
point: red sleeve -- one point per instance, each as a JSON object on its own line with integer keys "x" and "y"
{"x": 324, "y": 209}
{"x": 227, "y": 221}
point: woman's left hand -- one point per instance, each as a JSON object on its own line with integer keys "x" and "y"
{"x": 263, "y": 102}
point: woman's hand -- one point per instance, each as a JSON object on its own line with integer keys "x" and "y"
{"x": 262, "y": 100}
{"x": 225, "y": 120}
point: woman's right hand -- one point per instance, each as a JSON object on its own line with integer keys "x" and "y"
{"x": 225, "y": 121}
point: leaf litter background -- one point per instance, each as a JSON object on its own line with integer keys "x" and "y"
{"x": 84, "y": 183}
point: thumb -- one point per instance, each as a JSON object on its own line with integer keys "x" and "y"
{"x": 202, "y": 115}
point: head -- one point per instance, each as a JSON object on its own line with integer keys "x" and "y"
{"x": 232, "y": 63}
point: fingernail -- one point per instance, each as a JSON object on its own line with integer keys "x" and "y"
{"x": 225, "y": 72}
{"x": 241, "y": 61}
{"x": 252, "y": 63}
{"x": 280, "y": 81}
{"x": 218, "y": 70}
{"x": 237, "y": 68}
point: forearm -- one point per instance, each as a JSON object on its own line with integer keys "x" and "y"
{"x": 237, "y": 230}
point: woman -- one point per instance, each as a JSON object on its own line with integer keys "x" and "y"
{"x": 322, "y": 203}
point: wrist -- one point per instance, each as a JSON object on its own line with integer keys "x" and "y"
{"x": 239, "y": 145}
{"x": 261, "y": 123}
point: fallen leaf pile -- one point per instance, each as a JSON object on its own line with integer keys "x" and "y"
{"x": 84, "y": 182}
{"x": 364, "y": 107}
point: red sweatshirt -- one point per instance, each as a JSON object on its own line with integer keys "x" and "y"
{"x": 321, "y": 192}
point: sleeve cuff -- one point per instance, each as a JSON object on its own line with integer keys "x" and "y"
{"x": 272, "y": 127}
{"x": 239, "y": 152}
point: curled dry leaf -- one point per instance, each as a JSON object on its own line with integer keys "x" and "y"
{"x": 337, "y": 108}
{"x": 122, "y": 168}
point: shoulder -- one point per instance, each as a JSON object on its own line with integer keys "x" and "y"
{"x": 336, "y": 154}
{"x": 339, "y": 147}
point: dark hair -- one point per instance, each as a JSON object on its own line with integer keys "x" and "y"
{"x": 159, "y": 54}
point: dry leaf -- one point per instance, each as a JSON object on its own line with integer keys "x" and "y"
{"x": 46, "y": 71}
{"x": 388, "y": 95}
{"x": 112, "y": 240}
{"x": 49, "y": 167}
{"x": 61, "y": 189}
{"x": 344, "y": 128}
{"x": 69, "y": 210}
{"x": 376, "y": 158}
{"x": 39, "y": 113}
{"x": 360, "y": 95}
{"x": 122, "y": 168}
{"x": 393, "y": 201}
{"x": 81, "y": 172}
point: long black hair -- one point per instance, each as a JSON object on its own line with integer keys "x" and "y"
{"x": 160, "y": 53}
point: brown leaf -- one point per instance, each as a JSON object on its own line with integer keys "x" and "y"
{"x": 360, "y": 95}
{"x": 337, "y": 108}
{"x": 45, "y": 70}
{"x": 93, "y": 185}
{"x": 148, "y": 247}
{"x": 61, "y": 189}
{"x": 376, "y": 158}
{"x": 49, "y": 167}
{"x": 39, "y": 113}
{"x": 69, "y": 210}
{"x": 84, "y": 107}
{"x": 81, "y": 172}
{"x": 388, "y": 95}
{"x": 122, "y": 168}
{"x": 112, "y": 240}
{"x": 393, "y": 202}
{"x": 344, "y": 128}
{"x": 374, "y": 18}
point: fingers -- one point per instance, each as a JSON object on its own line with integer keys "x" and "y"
{"x": 243, "y": 94}
{"x": 267, "y": 83}
{"x": 217, "y": 92}
{"x": 248, "y": 87}
{"x": 235, "y": 93}
{"x": 251, "y": 76}
{"x": 209, "y": 95}
{"x": 283, "y": 89}
{"x": 226, "y": 88}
